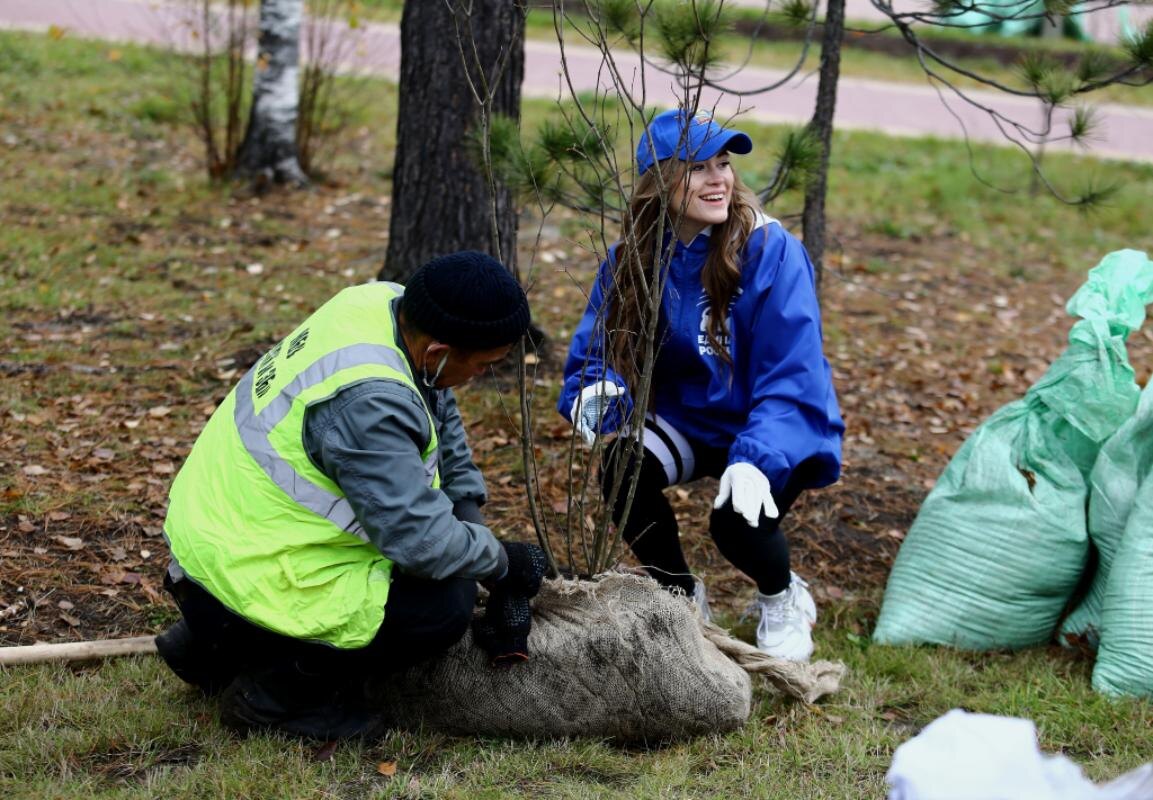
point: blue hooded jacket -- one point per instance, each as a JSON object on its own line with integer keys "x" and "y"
{"x": 776, "y": 408}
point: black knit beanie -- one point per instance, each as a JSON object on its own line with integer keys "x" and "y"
{"x": 467, "y": 300}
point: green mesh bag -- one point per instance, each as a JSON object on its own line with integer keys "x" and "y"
{"x": 1001, "y": 542}
{"x": 1125, "y": 656}
{"x": 1123, "y": 463}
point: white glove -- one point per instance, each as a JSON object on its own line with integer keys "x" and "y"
{"x": 589, "y": 408}
{"x": 750, "y": 491}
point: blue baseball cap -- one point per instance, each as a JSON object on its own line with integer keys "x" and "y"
{"x": 699, "y": 139}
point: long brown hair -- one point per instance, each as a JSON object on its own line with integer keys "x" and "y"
{"x": 642, "y": 254}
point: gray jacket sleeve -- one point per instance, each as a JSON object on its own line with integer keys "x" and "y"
{"x": 459, "y": 477}
{"x": 368, "y": 440}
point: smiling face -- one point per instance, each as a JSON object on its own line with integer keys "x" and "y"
{"x": 701, "y": 196}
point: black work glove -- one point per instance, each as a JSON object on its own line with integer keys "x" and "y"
{"x": 527, "y": 565}
{"x": 503, "y": 630}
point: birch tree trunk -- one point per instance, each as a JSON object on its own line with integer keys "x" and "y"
{"x": 268, "y": 151}
{"x": 458, "y": 61}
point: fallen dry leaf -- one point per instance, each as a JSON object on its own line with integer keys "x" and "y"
{"x": 150, "y": 591}
{"x": 113, "y": 576}
{"x": 71, "y": 542}
{"x": 34, "y": 470}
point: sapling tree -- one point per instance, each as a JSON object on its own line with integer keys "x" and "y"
{"x": 267, "y": 119}
{"x": 328, "y": 39}
{"x": 219, "y": 79}
{"x": 582, "y": 159}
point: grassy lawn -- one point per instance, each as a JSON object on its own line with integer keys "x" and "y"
{"x": 126, "y": 730}
{"x": 134, "y": 294}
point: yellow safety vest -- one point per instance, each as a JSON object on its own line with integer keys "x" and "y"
{"x": 251, "y": 518}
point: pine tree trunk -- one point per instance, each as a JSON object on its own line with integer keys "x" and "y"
{"x": 441, "y": 198}
{"x": 268, "y": 151}
{"x": 813, "y": 216}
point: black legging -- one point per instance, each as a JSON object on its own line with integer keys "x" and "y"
{"x": 652, "y": 533}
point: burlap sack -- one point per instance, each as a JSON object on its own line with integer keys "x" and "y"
{"x": 615, "y": 658}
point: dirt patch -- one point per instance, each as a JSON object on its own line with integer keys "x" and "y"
{"x": 77, "y": 579}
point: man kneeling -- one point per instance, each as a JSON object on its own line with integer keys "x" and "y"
{"x": 326, "y": 526}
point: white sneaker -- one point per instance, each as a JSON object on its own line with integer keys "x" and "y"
{"x": 701, "y": 600}
{"x": 785, "y": 630}
{"x": 804, "y": 599}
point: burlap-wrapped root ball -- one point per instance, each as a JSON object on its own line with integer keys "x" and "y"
{"x": 615, "y": 658}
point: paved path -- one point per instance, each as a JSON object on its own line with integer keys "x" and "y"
{"x": 862, "y": 104}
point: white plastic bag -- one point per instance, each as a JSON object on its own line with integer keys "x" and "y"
{"x": 963, "y": 756}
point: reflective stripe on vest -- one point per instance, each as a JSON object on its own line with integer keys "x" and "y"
{"x": 255, "y": 429}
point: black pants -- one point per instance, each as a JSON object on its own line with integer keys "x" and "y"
{"x": 422, "y": 618}
{"x": 652, "y": 533}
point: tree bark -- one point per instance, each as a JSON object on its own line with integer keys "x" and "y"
{"x": 813, "y": 216}
{"x": 269, "y": 148}
{"x": 442, "y": 199}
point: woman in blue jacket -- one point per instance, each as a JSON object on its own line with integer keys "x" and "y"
{"x": 740, "y": 386}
